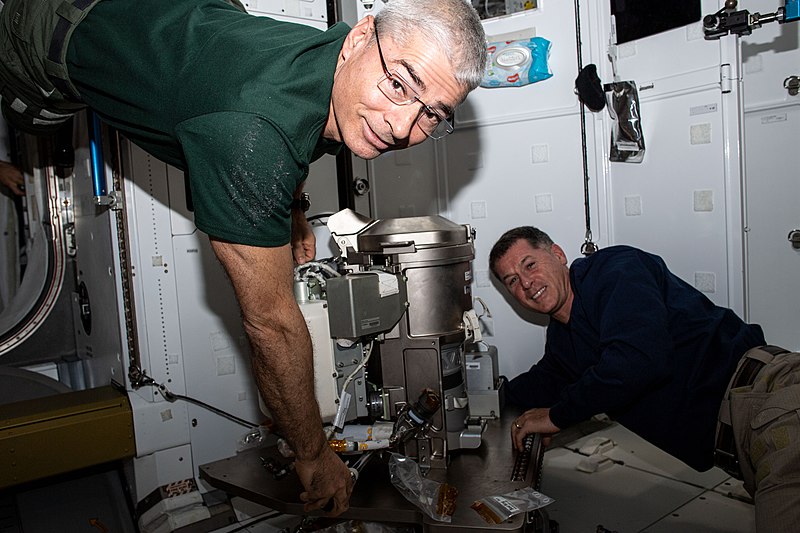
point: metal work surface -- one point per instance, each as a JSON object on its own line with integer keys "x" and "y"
{"x": 475, "y": 473}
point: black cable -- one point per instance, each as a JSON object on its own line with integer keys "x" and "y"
{"x": 588, "y": 246}
{"x": 171, "y": 397}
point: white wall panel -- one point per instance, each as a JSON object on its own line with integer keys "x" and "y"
{"x": 154, "y": 289}
{"x": 215, "y": 348}
{"x": 309, "y": 12}
{"x": 769, "y": 55}
{"x": 773, "y": 200}
{"x": 684, "y": 159}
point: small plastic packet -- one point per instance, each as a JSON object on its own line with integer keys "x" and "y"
{"x": 437, "y": 500}
{"x": 498, "y": 509}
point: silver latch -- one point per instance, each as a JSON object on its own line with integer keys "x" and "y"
{"x": 794, "y": 238}
{"x": 792, "y": 85}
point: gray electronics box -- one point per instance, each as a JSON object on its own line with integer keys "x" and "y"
{"x": 365, "y": 303}
{"x": 483, "y": 381}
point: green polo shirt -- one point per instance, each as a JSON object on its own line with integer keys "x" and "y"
{"x": 237, "y": 101}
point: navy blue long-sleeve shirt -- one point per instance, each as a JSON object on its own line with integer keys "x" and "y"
{"x": 642, "y": 346}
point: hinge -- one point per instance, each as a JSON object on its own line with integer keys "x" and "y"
{"x": 725, "y": 81}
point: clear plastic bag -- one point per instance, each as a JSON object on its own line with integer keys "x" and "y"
{"x": 498, "y": 509}
{"x": 437, "y": 500}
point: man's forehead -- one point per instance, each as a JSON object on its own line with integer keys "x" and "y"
{"x": 515, "y": 256}
{"x": 522, "y": 246}
{"x": 429, "y": 69}
{"x": 522, "y": 250}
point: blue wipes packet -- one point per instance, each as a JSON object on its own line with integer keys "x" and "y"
{"x": 516, "y": 63}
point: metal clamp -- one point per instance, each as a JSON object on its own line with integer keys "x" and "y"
{"x": 112, "y": 200}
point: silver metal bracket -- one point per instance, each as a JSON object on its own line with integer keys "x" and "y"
{"x": 113, "y": 200}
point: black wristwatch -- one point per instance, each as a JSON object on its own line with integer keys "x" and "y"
{"x": 303, "y": 203}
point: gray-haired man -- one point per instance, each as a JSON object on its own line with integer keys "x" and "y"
{"x": 244, "y": 104}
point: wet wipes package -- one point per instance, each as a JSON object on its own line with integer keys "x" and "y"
{"x": 517, "y": 63}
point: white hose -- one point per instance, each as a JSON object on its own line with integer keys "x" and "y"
{"x": 359, "y": 367}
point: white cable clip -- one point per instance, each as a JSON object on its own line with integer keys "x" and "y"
{"x": 472, "y": 326}
{"x": 341, "y": 413}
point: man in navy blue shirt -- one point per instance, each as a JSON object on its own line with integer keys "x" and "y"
{"x": 630, "y": 339}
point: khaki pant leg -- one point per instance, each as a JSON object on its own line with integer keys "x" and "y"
{"x": 766, "y": 421}
{"x": 775, "y": 456}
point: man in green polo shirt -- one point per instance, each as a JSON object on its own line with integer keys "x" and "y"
{"x": 244, "y": 104}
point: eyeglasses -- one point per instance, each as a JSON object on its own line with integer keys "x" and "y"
{"x": 400, "y": 92}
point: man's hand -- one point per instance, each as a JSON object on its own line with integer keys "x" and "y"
{"x": 304, "y": 242}
{"x": 325, "y": 478}
{"x": 11, "y": 177}
{"x": 532, "y": 421}
{"x": 283, "y": 365}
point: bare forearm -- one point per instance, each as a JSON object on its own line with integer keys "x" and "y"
{"x": 283, "y": 366}
{"x": 283, "y": 369}
{"x": 299, "y": 190}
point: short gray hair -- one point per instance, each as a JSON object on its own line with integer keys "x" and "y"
{"x": 451, "y": 25}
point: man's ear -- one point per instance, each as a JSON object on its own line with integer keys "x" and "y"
{"x": 559, "y": 252}
{"x": 358, "y": 37}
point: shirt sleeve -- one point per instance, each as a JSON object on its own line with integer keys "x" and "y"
{"x": 541, "y": 385}
{"x": 626, "y": 315}
{"x": 242, "y": 173}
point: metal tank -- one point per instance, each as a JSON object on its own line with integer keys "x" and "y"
{"x": 425, "y": 349}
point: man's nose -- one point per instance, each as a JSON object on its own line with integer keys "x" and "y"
{"x": 402, "y": 120}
